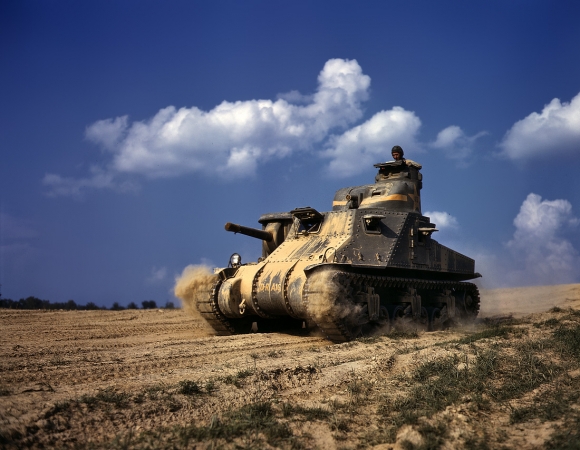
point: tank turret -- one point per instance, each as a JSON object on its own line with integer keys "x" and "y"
{"x": 366, "y": 266}
{"x": 397, "y": 188}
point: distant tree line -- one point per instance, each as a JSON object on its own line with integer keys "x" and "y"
{"x": 36, "y": 303}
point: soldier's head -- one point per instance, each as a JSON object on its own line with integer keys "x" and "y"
{"x": 397, "y": 153}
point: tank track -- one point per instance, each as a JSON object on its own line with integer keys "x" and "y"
{"x": 336, "y": 328}
{"x": 209, "y": 310}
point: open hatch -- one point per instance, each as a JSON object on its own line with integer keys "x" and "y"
{"x": 307, "y": 220}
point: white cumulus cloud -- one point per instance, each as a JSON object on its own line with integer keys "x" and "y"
{"x": 231, "y": 139}
{"x": 443, "y": 220}
{"x": 371, "y": 142}
{"x": 108, "y": 132}
{"x": 538, "y": 244}
{"x": 456, "y": 144}
{"x": 555, "y": 130}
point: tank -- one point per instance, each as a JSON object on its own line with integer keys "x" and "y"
{"x": 365, "y": 267}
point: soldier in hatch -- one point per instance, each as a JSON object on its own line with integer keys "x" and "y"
{"x": 398, "y": 155}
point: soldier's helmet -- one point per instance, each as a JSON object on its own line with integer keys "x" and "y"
{"x": 397, "y": 149}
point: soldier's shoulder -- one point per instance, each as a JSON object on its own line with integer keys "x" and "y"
{"x": 412, "y": 163}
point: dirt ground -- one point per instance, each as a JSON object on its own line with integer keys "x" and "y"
{"x": 160, "y": 379}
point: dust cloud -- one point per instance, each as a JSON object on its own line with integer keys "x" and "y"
{"x": 195, "y": 282}
{"x": 327, "y": 298}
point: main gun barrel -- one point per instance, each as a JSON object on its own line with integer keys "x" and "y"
{"x": 253, "y": 232}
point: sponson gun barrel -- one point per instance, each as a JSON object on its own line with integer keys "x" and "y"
{"x": 252, "y": 232}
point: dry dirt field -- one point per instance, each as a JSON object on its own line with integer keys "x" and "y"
{"x": 160, "y": 379}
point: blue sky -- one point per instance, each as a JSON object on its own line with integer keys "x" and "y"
{"x": 131, "y": 131}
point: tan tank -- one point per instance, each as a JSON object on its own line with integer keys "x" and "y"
{"x": 366, "y": 266}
